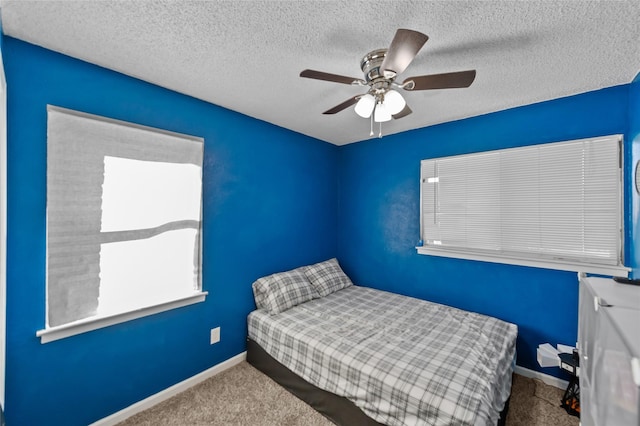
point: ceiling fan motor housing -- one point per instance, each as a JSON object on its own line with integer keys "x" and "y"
{"x": 370, "y": 65}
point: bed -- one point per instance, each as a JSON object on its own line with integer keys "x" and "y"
{"x": 363, "y": 356}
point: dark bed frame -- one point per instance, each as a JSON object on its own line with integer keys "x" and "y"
{"x": 336, "y": 408}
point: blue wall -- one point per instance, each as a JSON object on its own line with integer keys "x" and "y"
{"x": 379, "y": 217}
{"x": 258, "y": 218}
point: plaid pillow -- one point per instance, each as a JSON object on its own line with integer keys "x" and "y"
{"x": 278, "y": 292}
{"x": 327, "y": 277}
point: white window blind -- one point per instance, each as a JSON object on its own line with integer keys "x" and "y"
{"x": 123, "y": 217}
{"x": 553, "y": 205}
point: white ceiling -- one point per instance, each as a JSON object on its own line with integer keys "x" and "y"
{"x": 247, "y": 55}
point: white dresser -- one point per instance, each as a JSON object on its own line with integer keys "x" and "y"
{"x": 609, "y": 346}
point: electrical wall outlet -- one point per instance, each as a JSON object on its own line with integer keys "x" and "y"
{"x": 215, "y": 335}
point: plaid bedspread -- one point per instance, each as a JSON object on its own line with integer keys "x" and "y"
{"x": 403, "y": 361}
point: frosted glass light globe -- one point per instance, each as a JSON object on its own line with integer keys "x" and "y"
{"x": 381, "y": 114}
{"x": 365, "y": 105}
{"x": 394, "y": 102}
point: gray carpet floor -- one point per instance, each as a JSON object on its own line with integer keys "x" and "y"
{"x": 243, "y": 396}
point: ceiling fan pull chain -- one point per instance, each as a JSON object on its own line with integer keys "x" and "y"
{"x": 372, "y": 113}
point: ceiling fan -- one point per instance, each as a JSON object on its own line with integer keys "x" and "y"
{"x": 382, "y": 102}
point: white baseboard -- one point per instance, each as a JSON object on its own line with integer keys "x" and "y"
{"x": 157, "y": 398}
{"x": 550, "y": 380}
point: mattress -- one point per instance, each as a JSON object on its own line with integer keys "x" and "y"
{"x": 402, "y": 361}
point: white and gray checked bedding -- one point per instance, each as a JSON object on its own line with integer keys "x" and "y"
{"x": 278, "y": 292}
{"x": 327, "y": 277}
{"x": 403, "y": 361}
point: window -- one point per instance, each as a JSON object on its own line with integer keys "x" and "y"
{"x": 123, "y": 222}
{"x": 555, "y": 205}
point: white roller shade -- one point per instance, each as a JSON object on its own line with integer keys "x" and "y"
{"x": 123, "y": 216}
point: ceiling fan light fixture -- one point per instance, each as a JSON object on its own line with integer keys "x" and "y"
{"x": 381, "y": 113}
{"x": 381, "y": 67}
{"x": 394, "y": 102}
{"x": 365, "y": 105}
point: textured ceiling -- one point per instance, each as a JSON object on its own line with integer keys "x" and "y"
{"x": 247, "y": 55}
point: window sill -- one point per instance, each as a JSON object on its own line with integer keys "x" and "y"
{"x": 611, "y": 270}
{"x": 89, "y": 324}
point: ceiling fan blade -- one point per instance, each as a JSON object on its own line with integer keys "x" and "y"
{"x": 344, "y": 105}
{"x": 404, "y": 47}
{"x": 406, "y": 111}
{"x": 319, "y": 75}
{"x": 450, "y": 80}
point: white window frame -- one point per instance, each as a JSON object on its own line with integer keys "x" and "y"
{"x": 49, "y": 334}
{"x": 524, "y": 259}
{"x": 3, "y": 228}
